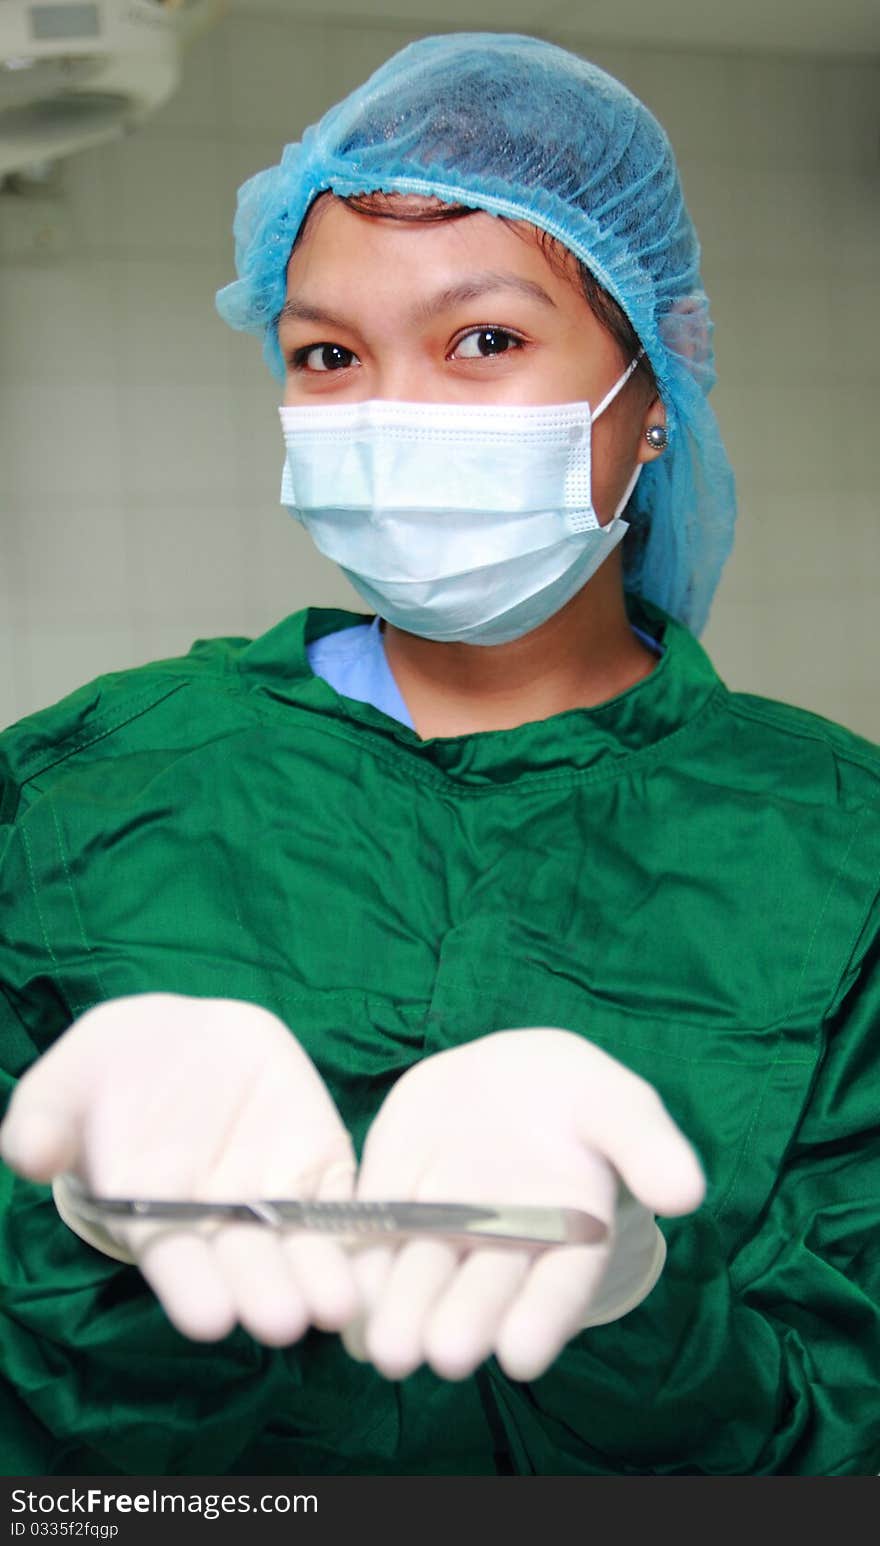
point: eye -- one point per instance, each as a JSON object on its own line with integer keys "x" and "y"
{"x": 322, "y": 357}
{"x": 484, "y": 342}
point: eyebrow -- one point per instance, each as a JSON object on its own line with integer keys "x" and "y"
{"x": 468, "y": 289}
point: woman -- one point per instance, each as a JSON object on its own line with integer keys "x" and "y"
{"x": 498, "y": 897}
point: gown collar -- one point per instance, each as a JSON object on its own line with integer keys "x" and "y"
{"x": 635, "y": 724}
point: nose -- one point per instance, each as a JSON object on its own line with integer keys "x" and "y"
{"x": 409, "y": 372}
{"x": 406, "y": 382}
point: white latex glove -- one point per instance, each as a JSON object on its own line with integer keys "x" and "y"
{"x": 166, "y": 1096}
{"x": 523, "y": 1116}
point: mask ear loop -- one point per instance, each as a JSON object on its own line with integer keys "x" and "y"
{"x": 582, "y": 516}
{"x": 609, "y": 398}
{"x": 617, "y": 387}
{"x": 625, "y": 500}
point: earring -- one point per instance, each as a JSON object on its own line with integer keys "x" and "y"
{"x": 657, "y": 437}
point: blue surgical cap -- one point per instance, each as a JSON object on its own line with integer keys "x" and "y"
{"x": 523, "y": 128}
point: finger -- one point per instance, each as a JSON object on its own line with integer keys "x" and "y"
{"x": 41, "y": 1135}
{"x": 462, "y": 1328}
{"x": 549, "y": 1309}
{"x": 39, "y": 1141}
{"x": 391, "y": 1162}
{"x": 354, "y": 1339}
{"x": 183, "y": 1275}
{"x": 318, "y": 1265}
{"x": 324, "y": 1277}
{"x": 419, "y": 1273}
{"x": 265, "y": 1294}
{"x": 370, "y": 1266}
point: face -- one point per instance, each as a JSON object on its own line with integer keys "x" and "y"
{"x": 455, "y": 311}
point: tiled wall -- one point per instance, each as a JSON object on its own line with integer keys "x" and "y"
{"x": 139, "y": 447}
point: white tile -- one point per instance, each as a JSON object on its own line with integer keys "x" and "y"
{"x": 850, "y": 93}
{"x": 176, "y": 441}
{"x": 256, "y": 392}
{"x": 694, "y": 98}
{"x": 13, "y": 696}
{"x": 858, "y": 531}
{"x": 353, "y": 54}
{"x": 733, "y": 639}
{"x": 171, "y": 637}
{"x": 851, "y": 428}
{"x": 272, "y": 75}
{"x": 71, "y": 561}
{"x": 781, "y": 549}
{"x": 733, "y": 417}
{"x": 197, "y": 104}
{"x": 636, "y": 68}
{"x": 746, "y": 108}
{"x": 242, "y": 155}
{"x": 60, "y": 439}
{"x": 90, "y": 183}
{"x": 499, "y": 15}
{"x": 187, "y": 555}
{"x": 853, "y": 218}
{"x": 165, "y": 324}
{"x": 806, "y": 651}
{"x": 257, "y": 444}
{"x": 804, "y": 548}
{"x": 781, "y": 441}
{"x": 773, "y": 326}
{"x": 854, "y": 316}
{"x": 56, "y": 325}
{"x": 10, "y": 559}
{"x": 9, "y": 701}
{"x": 763, "y": 221}
{"x": 795, "y": 26}
{"x": 775, "y": 113}
{"x": 58, "y": 660}
{"x": 284, "y": 571}
{"x": 859, "y": 712}
{"x": 170, "y": 195}
{"x": 833, "y": 649}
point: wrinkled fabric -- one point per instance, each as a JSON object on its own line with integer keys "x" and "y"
{"x": 685, "y": 875}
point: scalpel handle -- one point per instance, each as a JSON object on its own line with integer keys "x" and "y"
{"x": 469, "y": 1223}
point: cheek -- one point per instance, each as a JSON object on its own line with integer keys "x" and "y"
{"x": 615, "y": 454}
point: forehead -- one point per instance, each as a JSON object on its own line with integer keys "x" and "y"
{"x": 336, "y": 239}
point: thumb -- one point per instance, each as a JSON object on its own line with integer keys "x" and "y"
{"x": 41, "y": 1133}
{"x": 638, "y": 1136}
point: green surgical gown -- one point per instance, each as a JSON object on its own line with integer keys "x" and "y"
{"x": 684, "y": 875}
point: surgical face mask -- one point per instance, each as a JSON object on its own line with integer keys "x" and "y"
{"x": 455, "y": 522}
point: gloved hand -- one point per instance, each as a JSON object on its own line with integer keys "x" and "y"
{"x": 165, "y": 1096}
{"x": 521, "y": 1116}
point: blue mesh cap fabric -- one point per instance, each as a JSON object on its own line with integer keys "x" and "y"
{"x": 523, "y": 128}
